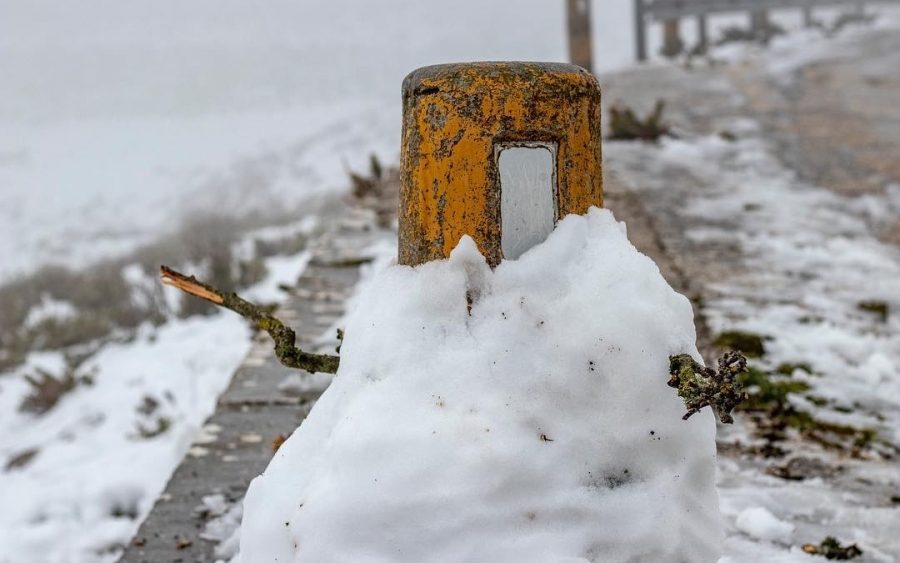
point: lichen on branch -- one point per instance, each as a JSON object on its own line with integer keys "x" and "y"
{"x": 699, "y": 386}
{"x": 284, "y": 337}
{"x": 831, "y": 548}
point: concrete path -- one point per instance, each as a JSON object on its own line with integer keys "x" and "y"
{"x": 836, "y": 121}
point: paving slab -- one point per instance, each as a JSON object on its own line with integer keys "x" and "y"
{"x": 236, "y": 447}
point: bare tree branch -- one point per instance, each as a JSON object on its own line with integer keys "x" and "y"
{"x": 284, "y": 337}
{"x": 700, "y": 386}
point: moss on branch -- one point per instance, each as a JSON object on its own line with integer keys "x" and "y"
{"x": 284, "y": 337}
{"x": 699, "y": 386}
{"x": 831, "y": 548}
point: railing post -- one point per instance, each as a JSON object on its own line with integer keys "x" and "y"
{"x": 458, "y": 121}
{"x": 672, "y": 43}
{"x": 807, "y": 16}
{"x": 579, "y": 17}
{"x": 702, "y": 31}
{"x": 759, "y": 24}
{"x": 640, "y": 30}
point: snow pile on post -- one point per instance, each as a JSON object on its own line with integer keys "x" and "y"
{"x": 535, "y": 427}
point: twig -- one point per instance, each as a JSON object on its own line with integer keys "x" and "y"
{"x": 285, "y": 338}
{"x": 700, "y": 386}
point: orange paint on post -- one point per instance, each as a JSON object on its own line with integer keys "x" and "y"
{"x": 456, "y": 116}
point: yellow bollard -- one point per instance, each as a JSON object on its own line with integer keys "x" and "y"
{"x": 457, "y": 121}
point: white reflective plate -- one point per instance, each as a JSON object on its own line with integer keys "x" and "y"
{"x": 527, "y": 196}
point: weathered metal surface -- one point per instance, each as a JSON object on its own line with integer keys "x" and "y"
{"x": 640, "y": 31}
{"x": 453, "y": 118}
{"x": 672, "y": 43}
{"x": 579, "y": 18}
{"x": 702, "y": 32}
{"x": 759, "y": 22}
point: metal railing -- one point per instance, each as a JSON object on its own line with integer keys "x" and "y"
{"x": 670, "y": 11}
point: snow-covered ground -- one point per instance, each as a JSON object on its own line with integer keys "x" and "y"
{"x": 119, "y": 119}
{"x": 813, "y": 259}
{"x": 79, "y": 475}
{"x": 97, "y": 467}
{"x": 807, "y": 262}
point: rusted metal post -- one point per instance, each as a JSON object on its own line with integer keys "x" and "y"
{"x": 640, "y": 30}
{"x": 759, "y": 24}
{"x": 702, "y": 32}
{"x": 457, "y": 121}
{"x": 579, "y": 17}
{"x": 672, "y": 43}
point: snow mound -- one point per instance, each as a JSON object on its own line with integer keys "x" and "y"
{"x": 536, "y": 427}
